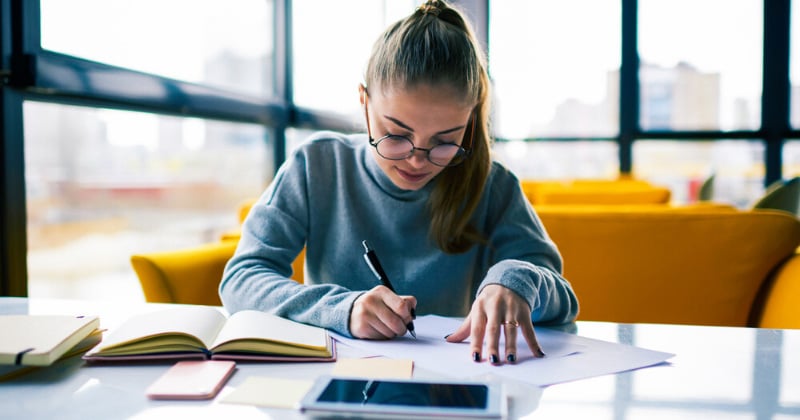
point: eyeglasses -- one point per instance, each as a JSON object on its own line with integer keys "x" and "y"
{"x": 396, "y": 147}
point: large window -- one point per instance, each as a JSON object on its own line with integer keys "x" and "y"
{"x": 794, "y": 62}
{"x": 143, "y": 126}
{"x": 102, "y": 185}
{"x": 171, "y": 95}
{"x": 330, "y": 54}
{"x": 791, "y": 159}
{"x": 737, "y": 167}
{"x": 199, "y": 41}
{"x": 700, "y": 64}
{"x": 699, "y": 69}
{"x": 555, "y": 67}
{"x": 559, "y": 159}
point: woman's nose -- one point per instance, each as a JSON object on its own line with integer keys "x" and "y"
{"x": 418, "y": 158}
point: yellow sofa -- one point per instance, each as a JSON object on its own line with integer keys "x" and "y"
{"x": 707, "y": 264}
{"x": 694, "y": 265}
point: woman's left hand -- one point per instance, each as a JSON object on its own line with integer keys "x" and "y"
{"x": 497, "y": 309}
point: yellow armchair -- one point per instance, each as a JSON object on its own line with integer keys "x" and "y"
{"x": 191, "y": 275}
{"x": 183, "y": 276}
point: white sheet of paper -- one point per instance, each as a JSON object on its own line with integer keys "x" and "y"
{"x": 569, "y": 357}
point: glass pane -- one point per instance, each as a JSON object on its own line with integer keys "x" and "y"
{"x": 794, "y": 63}
{"x": 227, "y": 45}
{"x": 102, "y": 185}
{"x": 332, "y": 42}
{"x": 295, "y": 137}
{"x": 737, "y": 166}
{"x": 559, "y": 160}
{"x": 700, "y": 64}
{"x": 791, "y": 159}
{"x": 552, "y": 78}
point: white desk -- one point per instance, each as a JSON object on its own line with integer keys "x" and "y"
{"x": 717, "y": 373}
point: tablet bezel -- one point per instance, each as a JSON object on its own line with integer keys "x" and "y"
{"x": 496, "y": 407}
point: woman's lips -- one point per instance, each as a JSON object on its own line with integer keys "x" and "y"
{"x": 412, "y": 177}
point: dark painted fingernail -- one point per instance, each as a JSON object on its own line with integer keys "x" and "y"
{"x": 448, "y": 335}
{"x": 511, "y": 358}
{"x": 413, "y": 313}
{"x": 476, "y": 357}
{"x": 540, "y": 354}
{"x": 495, "y": 359}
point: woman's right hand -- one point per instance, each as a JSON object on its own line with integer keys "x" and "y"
{"x": 380, "y": 314}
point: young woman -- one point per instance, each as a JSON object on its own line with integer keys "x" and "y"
{"x": 454, "y": 232}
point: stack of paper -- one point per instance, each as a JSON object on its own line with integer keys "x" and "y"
{"x": 569, "y": 357}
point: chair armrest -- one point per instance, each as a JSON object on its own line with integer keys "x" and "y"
{"x": 780, "y": 297}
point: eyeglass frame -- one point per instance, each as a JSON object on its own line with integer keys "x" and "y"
{"x": 462, "y": 151}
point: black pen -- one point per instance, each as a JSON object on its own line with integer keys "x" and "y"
{"x": 372, "y": 261}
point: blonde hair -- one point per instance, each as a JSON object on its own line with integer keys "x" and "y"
{"x": 436, "y": 46}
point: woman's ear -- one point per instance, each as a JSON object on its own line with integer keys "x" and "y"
{"x": 362, "y": 92}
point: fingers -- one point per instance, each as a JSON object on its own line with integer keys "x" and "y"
{"x": 461, "y": 333}
{"x": 498, "y": 312}
{"x": 381, "y": 314}
{"x": 530, "y": 338}
{"x": 476, "y": 333}
{"x": 510, "y": 330}
{"x": 494, "y": 327}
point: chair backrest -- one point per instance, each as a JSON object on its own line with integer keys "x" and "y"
{"x": 782, "y": 195}
{"x": 606, "y": 192}
{"x": 680, "y": 267}
{"x": 184, "y": 276}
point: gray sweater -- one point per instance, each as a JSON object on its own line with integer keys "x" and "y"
{"x": 330, "y": 195}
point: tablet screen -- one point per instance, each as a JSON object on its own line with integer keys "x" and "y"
{"x": 382, "y": 392}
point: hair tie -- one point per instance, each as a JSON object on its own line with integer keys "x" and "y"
{"x": 431, "y": 7}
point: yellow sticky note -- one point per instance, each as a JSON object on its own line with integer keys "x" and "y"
{"x": 374, "y": 367}
{"x": 269, "y": 392}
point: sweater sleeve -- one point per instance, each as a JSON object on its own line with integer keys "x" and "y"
{"x": 273, "y": 234}
{"x": 523, "y": 257}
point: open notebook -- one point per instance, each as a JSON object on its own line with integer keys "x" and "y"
{"x": 203, "y": 332}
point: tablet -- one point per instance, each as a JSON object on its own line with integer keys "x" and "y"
{"x": 382, "y": 398}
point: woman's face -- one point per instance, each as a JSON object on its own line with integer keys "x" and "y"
{"x": 427, "y": 116}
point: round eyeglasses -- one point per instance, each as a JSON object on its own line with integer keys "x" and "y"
{"x": 396, "y": 147}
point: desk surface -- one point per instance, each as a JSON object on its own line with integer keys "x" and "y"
{"x": 719, "y": 372}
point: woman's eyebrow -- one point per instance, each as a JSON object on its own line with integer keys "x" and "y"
{"x": 405, "y": 126}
